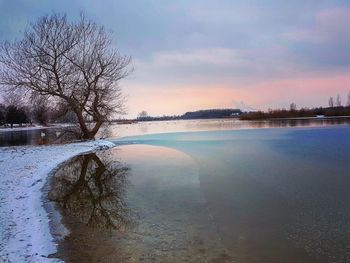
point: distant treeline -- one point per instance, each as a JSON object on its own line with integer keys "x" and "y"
{"x": 201, "y": 114}
{"x": 210, "y": 114}
{"x": 38, "y": 112}
{"x": 12, "y": 114}
{"x": 294, "y": 113}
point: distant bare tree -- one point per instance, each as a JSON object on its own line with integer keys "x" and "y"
{"x": 73, "y": 63}
{"x": 293, "y": 106}
{"x": 331, "y": 102}
{"x": 348, "y": 102}
{"x": 143, "y": 114}
{"x": 338, "y": 101}
{"x": 13, "y": 98}
{"x": 41, "y": 110}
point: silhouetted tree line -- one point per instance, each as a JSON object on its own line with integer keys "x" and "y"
{"x": 335, "y": 108}
{"x": 210, "y": 114}
{"x": 294, "y": 113}
{"x": 13, "y": 115}
{"x": 41, "y": 113}
{"x": 20, "y": 109}
{"x": 159, "y": 118}
{"x": 200, "y": 114}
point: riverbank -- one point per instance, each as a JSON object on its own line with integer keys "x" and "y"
{"x": 24, "y": 224}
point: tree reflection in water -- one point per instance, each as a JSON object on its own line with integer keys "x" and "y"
{"x": 91, "y": 188}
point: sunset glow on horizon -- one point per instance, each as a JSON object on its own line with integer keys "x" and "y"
{"x": 306, "y": 92}
{"x": 191, "y": 55}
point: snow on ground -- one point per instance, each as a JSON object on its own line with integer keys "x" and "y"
{"x": 24, "y": 225}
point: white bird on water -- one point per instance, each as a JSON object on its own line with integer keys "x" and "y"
{"x": 42, "y": 134}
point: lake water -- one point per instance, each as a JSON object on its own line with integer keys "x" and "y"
{"x": 34, "y": 137}
{"x": 54, "y": 135}
{"x": 255, "y": 195}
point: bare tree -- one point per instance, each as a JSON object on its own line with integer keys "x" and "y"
{"x": 13, "y": 98}
{"x": 73, "y": 62}
{"x": 40, "y": 109}
{"x": 338, "y": 101}
{"x": 331, "y": 102}
{"x": 348, "y": 102}
{"x": 143, "y": 115}
{"x": 293, "y": 107}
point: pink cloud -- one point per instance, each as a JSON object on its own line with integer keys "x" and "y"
{"x": 305, "y": 91}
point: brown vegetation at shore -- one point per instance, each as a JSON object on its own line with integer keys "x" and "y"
{"x": 302, "y": 113}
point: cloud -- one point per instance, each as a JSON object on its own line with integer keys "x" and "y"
{"x": 323, "y": 45}
{"x": 204, "y": 53}
{"x": 329, "y": 27}
{"x": 194, "y": 66}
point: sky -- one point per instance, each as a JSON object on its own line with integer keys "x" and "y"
{"x": 200, "y": 54}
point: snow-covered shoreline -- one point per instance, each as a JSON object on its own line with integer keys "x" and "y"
{"x": 24, "y": 224}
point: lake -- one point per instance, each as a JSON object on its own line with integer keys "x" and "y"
{"x": 252, "y": 195}
{"x": 55, "y": 135}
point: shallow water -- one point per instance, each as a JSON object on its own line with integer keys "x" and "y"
{"x": 134, "y": 203}
{"x": 35, "y": 137}
{"x": 259, "y": 195}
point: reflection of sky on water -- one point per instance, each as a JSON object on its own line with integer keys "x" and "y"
{"x": 276, "y": 195}
{"x": 173, "y": 217}
{"x": 216, "y": 124}
{"x": 49, "y": 136}
{"x": 257, "y": 195}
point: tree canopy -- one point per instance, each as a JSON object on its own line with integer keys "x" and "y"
{"x": 73, "y": 63}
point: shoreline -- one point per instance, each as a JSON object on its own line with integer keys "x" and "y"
{"x": 24, "y": 172}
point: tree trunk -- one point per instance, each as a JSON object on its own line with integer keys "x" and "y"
{"x": 96, "y": 128}
{"x": 86, "y": 134}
